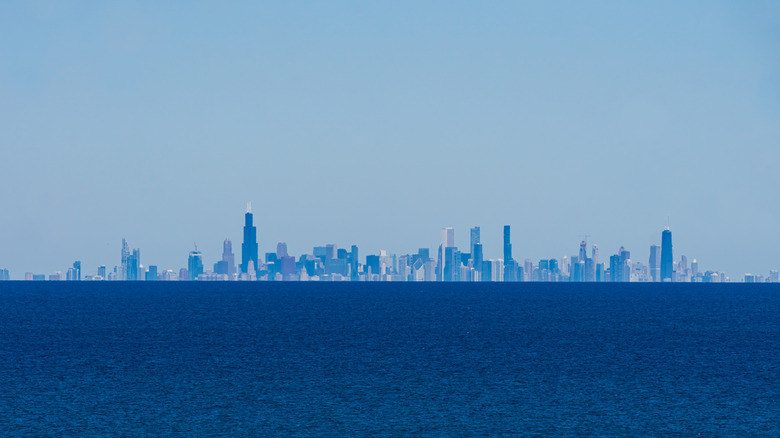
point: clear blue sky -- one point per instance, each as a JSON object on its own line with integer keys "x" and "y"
{"x": 378, "y": 123}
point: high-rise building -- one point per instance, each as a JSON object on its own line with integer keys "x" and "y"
{"x": 330, "y": 251}
{"x": 102, "y": 272}
{"x": 228, "y": 257}
{"x": 133, "y": 264}
{"x": 625, "y": 264}
{"x": 4, "y": 276}
{"x": 195, "y": 264}
{"x": 477, "y": 257}
{"x": 151, "y": 273}
{"x": 353, "y": 262}
{"x": 123, "y": 266}
{"x": 667, "y": 261}
{"x": 475, "y": 239}
{"x": 655, "y": 263}
{"x": 77, "y": 270}
{"x": 447, "y": 237}
{"x": 614, "y": 268}
{"x": 281, "y": 250}
{"x": 507, "y": 245}
{"x": 447, "y": 241}
{"x": 249, "y": 247}
{"x": 451, "y": 263}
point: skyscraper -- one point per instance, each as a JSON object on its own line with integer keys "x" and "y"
{"x": 447, "y": 237}
{"x": 353, "y": 262}
{"x": 507, "y": 245}
{"x": 281, "y": 250}
{"x": 447, "y": 241}
{"x": 478, "y": 257}
{"x": 625, "y": 264}
{"x": 123, "y": 266}
{"x": 133, "y": 265}
{"x": 667, "y": 261}
{"x": 655, "y": 263}
{"x": 475, "y": 239}
{"x": 151, "y": 274}
{"x": 195, "y": 264}
{"x": 249, "y": 247}
{"x": 583, "y": 251}
{"x": 228, "y": 257}
{"x": 77, "y": 270}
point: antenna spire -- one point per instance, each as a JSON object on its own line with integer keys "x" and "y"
{"x": 248, "y": 207}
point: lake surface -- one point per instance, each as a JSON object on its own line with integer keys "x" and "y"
{"x": 389, "y": 359}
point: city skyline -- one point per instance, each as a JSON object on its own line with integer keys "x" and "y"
{"x": 348, "y": 121}
{"x": 333, "y": 263}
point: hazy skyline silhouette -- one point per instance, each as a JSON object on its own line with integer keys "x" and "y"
{"x": 379, "y": 124}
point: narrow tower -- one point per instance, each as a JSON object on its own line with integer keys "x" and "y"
{"x": 667, "y": 261}
{"x": 507, "y": 245}
{"x": 249, "y": 247}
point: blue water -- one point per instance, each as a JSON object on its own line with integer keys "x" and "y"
{"x": 302, "y": 359}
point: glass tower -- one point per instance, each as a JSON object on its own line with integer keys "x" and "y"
{"x": 249, "y": 247}
{"x": 667, "y": 261}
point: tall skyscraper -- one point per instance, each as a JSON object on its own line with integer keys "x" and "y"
{"x": 228, "y": 257}
{"x": 477, "y": 257}
{"x": 625, "y": 264}
{"x": 249, "y": 247}
{"x": 123, "y": 266}
{"x": 447, "y": 241}
{"x": 281, "y": 250}
{"x": 655, "y": 263}
{"x": 133, "y": 265}
{"x": 667, "y": 261}
{"x": 77, "y": 270}
{"x": 507, "y": 245}
{"x": 447, "y": 237}
{"x": 353, "y": 262}
{"x": 583, "y": 251}
{"x": 475, "y": 239}
{"x": 195, "y": 264}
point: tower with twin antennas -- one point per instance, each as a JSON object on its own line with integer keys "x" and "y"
{"x": 249, "y": 246}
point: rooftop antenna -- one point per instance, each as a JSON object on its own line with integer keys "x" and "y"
{"x": 248, "y": 207}
{"x": 196, "y": 246}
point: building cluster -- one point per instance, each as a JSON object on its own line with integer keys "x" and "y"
{"x": 448, "y": 263}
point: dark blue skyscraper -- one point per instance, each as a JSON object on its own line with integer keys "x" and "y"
{"x": 667, "y": 261}
{"x": 249, "y": 247}
{"x": 353, "y": 262}
{"x": 510, "y": 267}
